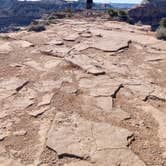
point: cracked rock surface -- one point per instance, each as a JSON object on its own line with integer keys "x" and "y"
{"x": 96, "y": 97}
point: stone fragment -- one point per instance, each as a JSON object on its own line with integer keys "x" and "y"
{"x": 56, "y": 51}
{"x": 22, "y": 103}
{"x": 37, "y": 112}
{"x": 56, "y": 42}
{"x": 46, "y": 99}
{"x": 71, "y": 37}
{"x": 12, "y": 83}
{"x": 86, "y": 35}
{"x": 70, "y": 89}
{"x": 86, "y": 63}
{"x": 112, "y": 44}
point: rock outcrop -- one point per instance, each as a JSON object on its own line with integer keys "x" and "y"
{"x": 149, "y": 11}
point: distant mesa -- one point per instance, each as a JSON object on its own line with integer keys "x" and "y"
{"x": 149, "y": 11}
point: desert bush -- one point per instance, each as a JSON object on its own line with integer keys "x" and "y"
{"x": 123, "y": 15}
{"x": 119, "y": 15}
{"x": 163, "y": 22}
{"x": 37, "y": 27}
{"x": 112, "y": 13}
{"x": 161, "y": 33}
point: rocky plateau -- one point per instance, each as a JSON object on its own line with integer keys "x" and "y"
{"x": 85, "y": 92}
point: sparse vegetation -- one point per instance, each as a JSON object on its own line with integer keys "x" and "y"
{"x": 112, "y": 13}
{"x": 119, "y": 15}
{"x": 123, "y": 15}
{"x": 37, "y": 27}
{"x": 161, "y": 31}
{"x": 163, "y": 23}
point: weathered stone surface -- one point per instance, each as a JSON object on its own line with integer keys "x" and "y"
{"x": 5, "y": 48}
{"x": 119, "y": 115}
{"x": 38, "y": 111}
{"x": 21, "y": 44}
{"x": 52, "y": 63}
{"x": 35, "y": 65}
{"x": 111, "y": 45}
{"x": 2, "y": 136}
{"x": 11, "y": 86}
{"x": 86, "y": 35}
{"x": 46, "y": 99}
{"x": 80, "y": 163}
{"x": 116, "y": 157}
{"x": 12, "y": 83}
{"x": 72, "y": 37}
{"x": 49, "y": 64}
{"x": 82, "y": 138}
{"x": 47, "y": 85}
{"x": 104, "y": 103}
{"x": 90, "y": 92}
{"x": 56, "y": 51}
{"x": 9, "y": 162}
{"x": 160, "y": 117}
{"x": 55, "y": 42}
{"x": 86, "y": 63}
{"x": 20, "y": 133}
{"x": 22, "y": 102}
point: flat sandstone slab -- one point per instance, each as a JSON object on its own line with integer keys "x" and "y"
{"x": 79, "y": 137}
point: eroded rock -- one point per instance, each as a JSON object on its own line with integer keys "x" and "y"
{"x": 86, "y": 63}
{"x": 111, "y": 44}
{"x": 56, "y": 51}
{"x": 71, "y": 38}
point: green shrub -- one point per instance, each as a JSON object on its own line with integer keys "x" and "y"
{"x": 120, "y": 15}
{"x": 112, "y": 13}
{"x": 161, "y": 33}
{"x": 37, "y": 27}
{"x": 123, "y": 15}
{"x": 163, "y": 22}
